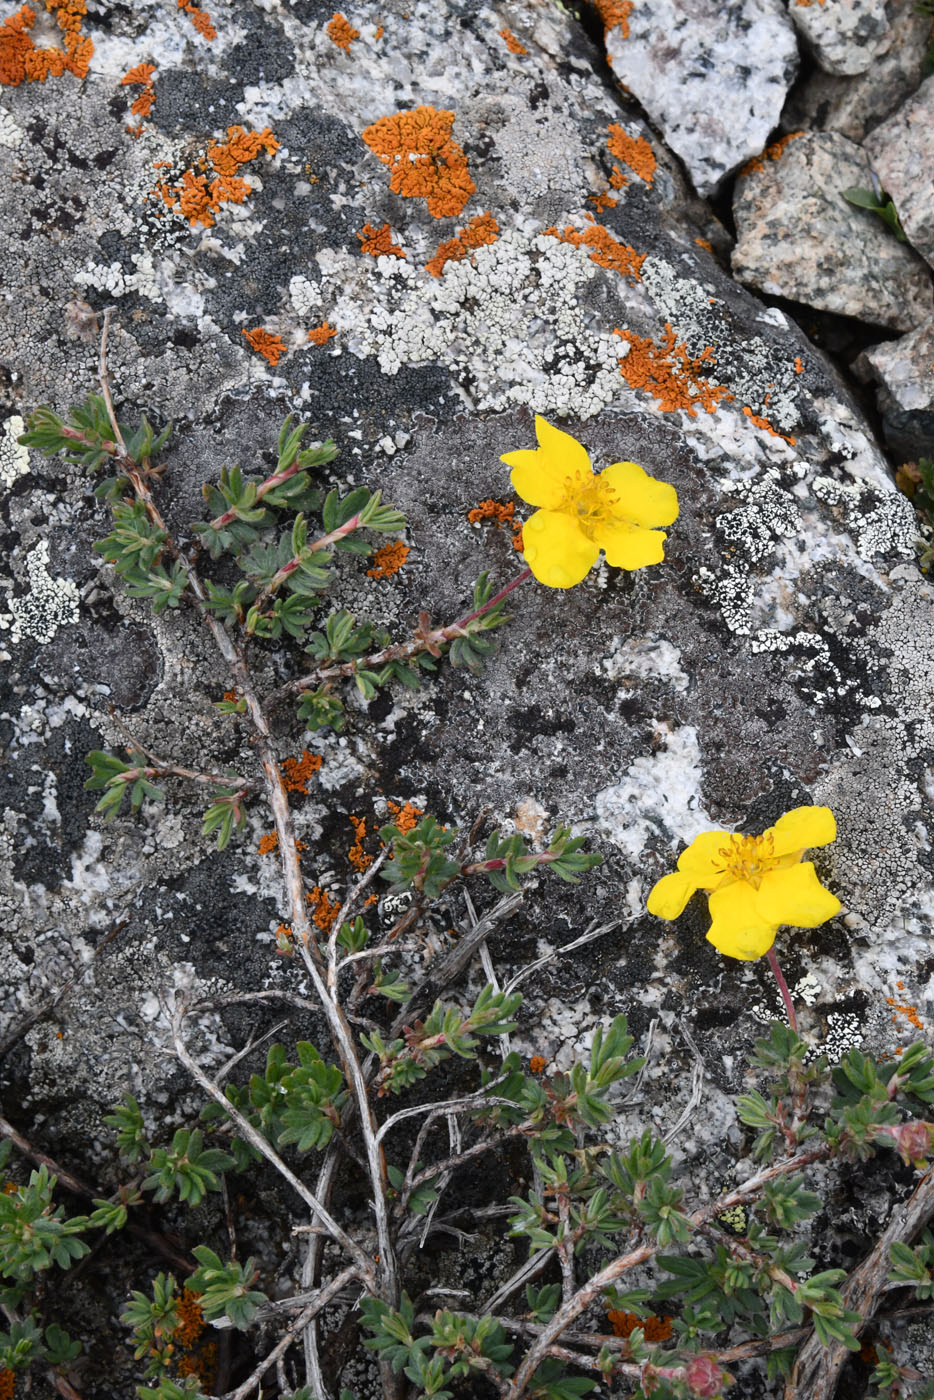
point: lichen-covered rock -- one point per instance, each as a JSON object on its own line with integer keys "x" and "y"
{"x": 903, "y": 373}
{"x": 846, "y": 36}
{"x": 712, "y": 76}
{"x": 799, "y": 238}
{"x": 901, "y": 151}
{"x": 414, "y": 239}
{"x": 853, "y": 105}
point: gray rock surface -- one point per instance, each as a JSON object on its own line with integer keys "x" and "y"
{"x": 903, "y": 372}
{"x": 712, "y": 75}
{"x": 797, "y": 237}
{"x": 902, "y": 155}
{"x": 854, "y": 105}
{"x": 846, "y": 36}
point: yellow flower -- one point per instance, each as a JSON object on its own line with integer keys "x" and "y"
{"x": 617, "y": 510}
{"x": 755, "y": 883}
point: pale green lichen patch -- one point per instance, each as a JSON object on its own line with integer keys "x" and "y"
{"x": 14, "y": 459}
{"x": 49, "y": 604}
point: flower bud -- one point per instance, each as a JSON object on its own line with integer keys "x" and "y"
{"x": 705, "y": 1378}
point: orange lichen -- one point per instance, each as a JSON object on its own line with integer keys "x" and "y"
{"x": 341, "y": 32}
{"x": 324, "y": 909}
{"x": 614, "y": 14}
{"x": 766, "y": 426}
{"x": 482, "y": 229}
{"x": 500, "y": 512}
{"x": 618, "y": 180}
{"x": 190, "y": 1320}
{"x": 320, "y": 335}
{"x": 357, "y": 855}
{"x": 267, "y": 843}
{"x": 404, "y": 815}
{"x": 423, "y": 159}
{"x": 378, "y": 242}
{"x": 197, "y": 199}
{"x": 296, "y": 772}
{"x": 656, "y": 1329}
{"x": 200, "y": 19}
{"x": 511, "y": 42}
{"x": 674, "y": 378}
{"x": 633, "y": 151}
{"x": 388, "y": 560}
{"x": 21, "y": 61}
{"x": 140, "y": 75}
{"x": 7, "y": 1383}
{"x": 703, "y": 243}
{"x": 799, "y": 365}
{"x": 603, "y": 200}
{"x": 909, "y": 1012}
{"x": 772, "y": 152}
{"x": 271, "y": 347}
{"x": 518, "y": 543}
{"x": 537, "y": 1064}
{"x": 605, "y": 250}
{"x": 379, "y": 32}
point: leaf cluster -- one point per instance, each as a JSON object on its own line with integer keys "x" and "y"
{"x": 188, "y": 1167}
{"x": 119, "y": 779}
{"x": 289, "y": 1103}
{"x": 446, "y": 1031}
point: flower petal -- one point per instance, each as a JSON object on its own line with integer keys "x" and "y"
{"x": 802, "y": 828}
{"x": 556, "y": 549}
{"x": 669, "y": 895}
{"x": 540, "y": 477}
{"x": 796, "y": 896}
{"x": 629, "y": 546}
{"x": 738, "y": 928}
{"x": 703, "y": 859}
{"x": 642, "y": 499}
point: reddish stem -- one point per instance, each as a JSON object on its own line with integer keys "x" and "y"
{"x": 498, "y": 597}
{"x": 783, "y": 988}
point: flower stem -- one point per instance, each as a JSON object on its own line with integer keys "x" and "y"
{"x": 783, "y": 988}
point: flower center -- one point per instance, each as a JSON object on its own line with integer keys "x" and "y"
{"x": 748, "y": 858}
{"x": 591, "y": 501}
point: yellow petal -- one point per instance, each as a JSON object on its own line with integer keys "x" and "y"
{"x": 796, "y": 896}
{"x": 669, "y": 895}
{"x": 556, "y": 550}
{"x": 541, "y": 476}
{"x": 629, "y": 546}
{"x": 802, "y": 828}
{"x": 703, "y": 859}
{"x": 642, "y": 499}
{"x": 738, "y": 929}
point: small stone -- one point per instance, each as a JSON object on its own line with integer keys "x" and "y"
{"x": 903, "y": 371}
{"x": 854, "y": 105}
{"x": 846, "y": 36}
{"x": 713, "y": 76}
{"x": 902, "y": 154}
{"x": 799, "y": 238}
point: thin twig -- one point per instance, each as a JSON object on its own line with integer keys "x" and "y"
{"x": 298, "y": 1302}
{"x": 608, "y": 1275}
{"x": 81, "y": 1188}
{"x": 289, "y": 1336}
{"x": 104, "y": 377}
{"x": 587, "y": 936}
{"x": 364, "y": 1265}
{"x": 817, "y": 1368}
